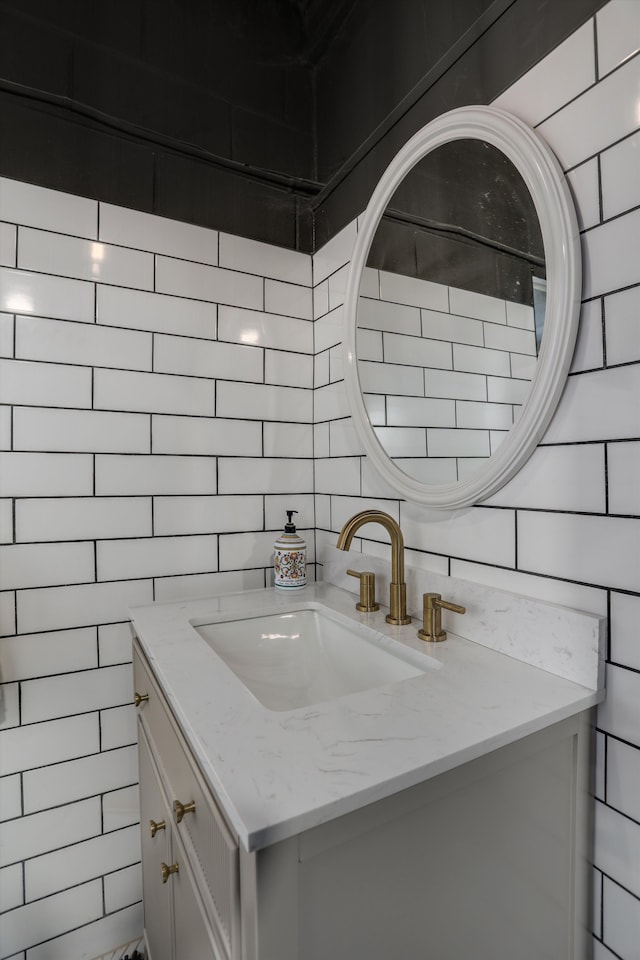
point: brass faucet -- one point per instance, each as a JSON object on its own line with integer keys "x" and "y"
{"x": 397, "y": 587}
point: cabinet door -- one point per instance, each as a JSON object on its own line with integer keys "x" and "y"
{"x": 194, "y": 939}
{"x": 156, "y": 850}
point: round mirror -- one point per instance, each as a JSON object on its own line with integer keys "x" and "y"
{"x": 462, "y": 307}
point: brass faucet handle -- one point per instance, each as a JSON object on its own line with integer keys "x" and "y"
{"x": 432, "y": 630}
{"x": 367, "y": 590}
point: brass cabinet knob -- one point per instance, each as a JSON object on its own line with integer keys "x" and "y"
{"x": 367, "y": 590}
{"x": 168, "y": 870}
{"x": 432, "y": 617}
{"x": 182, "y": 808}
{"x": 139, "y": 698}
{"x": 155, "y": 826}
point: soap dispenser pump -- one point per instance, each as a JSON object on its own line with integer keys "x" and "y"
{"x": 290, "y": 557}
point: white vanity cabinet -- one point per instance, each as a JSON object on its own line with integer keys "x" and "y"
{"x": 486, "y": 860}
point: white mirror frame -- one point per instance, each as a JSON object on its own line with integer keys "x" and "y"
{"x": 550, "y": 193}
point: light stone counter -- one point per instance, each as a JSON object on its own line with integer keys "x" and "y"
{"x": 276, "y": 773}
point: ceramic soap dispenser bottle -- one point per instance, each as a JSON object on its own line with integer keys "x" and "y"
{"x": 290, "y": 557}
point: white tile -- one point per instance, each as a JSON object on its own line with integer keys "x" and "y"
{"x": 617, "y": 849}
{"x": 600, "y": 952}
{"x": 83, "y": 259}
{"x": 402, "y": 441}
{"x": 330, "y": 402}
{"x": 625, "y": 633}
{"x": 584, "y": 182}
{"x": 430, "y": 469}
{"x": 621, "y": 915}
{"x": 114, "y": 643}
{"x": 5, "y": 427}
{"x": 481, "y": 360}
{"x": 597, "y": 904}
{"x": 31, "y": 924}
{"x": 264, "y": 259}
{"x": 6, "y": 335}
{"x": 287, "y": 369}
{"x": 281, "y": 440}
{"x": 394, "y": 318}
{"x": 321, "y": 299}
{"x": 416, "y": 351}
{"x": 145, "y": 231}
{"x": 120, "y": 808}
{"x": 242, "y": 550}
{"x": 336, "y": 363}
{"x": 265, "y": 330}
{"x": 618, "y": 25}
{"x": 451, "y": 328}
{"x": 465, "y": 303}
{"x": 323, "y": 512}
{"x": 76, "y": 431}
{"x": 623, "y": 475}
{"x": 420, "y": 412}
{"x": 48, "y": 874}
{"x": 288, "y": 299}
{"x": 328, "y": 330}
{"x": 121, "y": 927}
{"x": 490, "y": 416}
{"x": 615, "y": 562}
{"x": 44, "y": 384}
{"x": 337, "y": 284}
{"x": 455, "y": 385}
{"x": 391, "y": 378}
{"x": 6, "y": 520}
{"x": 153, "y": 393}
{"x": 208, "y": 584}
{"x": 7, "y": 612}
{"x": 507, "y": 390}
{"x": 458, "y": 443}
{"x": 413, "y": 291}
{"x": 620, "y": 177}
{"x": 343, "y": 440}
{"x": 479, "y": 533}
{"x": 599, "y": 773}
{"x": 369, "y": 344}
{"x": 52, "y": 697}
{"x": 608, "y": 256}
{"x": 118, "y": 726}
{"x": 338, "y": 475}
{"x": 11, "y": 894}
{"x": 42, "y": 654}
{"x": 134, "y": 475}
{"x": 562, "y": 75}
{"x": 34, "y": 206}
{"x": 86, "y": 518}
{"x": 123, "y": 888}
{"x": 10, "y": 716}
{"x": 22, "y": 292}
{"x": 73, "y": 780}
{"x": 275, "y": 508}
{"x": 335, "y": 253}
{"x": 8, "y": 244}
{"x": 343, "y": 508}
{"x": 45, "y": 564}
{"x": 588, "y": 354}
{"x": 623, "y": 779}
{"x": 185, "y": 515}
{"x": 59, "y": 341}
{"x": 35, "y": 746}
{"x": 140, "y": 310}
{"x": 206, "y": 436}
{"x": 558, "y": 478}
{"x": 265, "y": 475}
{"x": 214, "y": 284}
{"x": 253, "y": 401}
{"x": 47, "y": 474}
{"x": 201, "y": 358}
{"x": 597, "y": 406}
{"x": 10, "y": 797}
{"x": 572, "y": 134}
{"x": 58, "y": 608}
{"x": 321, "y": 440}
{"x": 509, "y": 338}
{"x": 155, "y": 557}
{"x": 520, "y": 315}
{"x": 622, "y": 327}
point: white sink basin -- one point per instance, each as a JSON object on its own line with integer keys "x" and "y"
{"x": 306, "y": 656}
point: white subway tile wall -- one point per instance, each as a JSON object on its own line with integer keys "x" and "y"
{"x": 156, "y": 421}
{"x": 567, "y": 528}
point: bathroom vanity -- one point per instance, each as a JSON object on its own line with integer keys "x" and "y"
{"x": 439, "y": 811}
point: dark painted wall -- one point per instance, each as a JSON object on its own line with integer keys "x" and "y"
{"x": 214, "y": 112}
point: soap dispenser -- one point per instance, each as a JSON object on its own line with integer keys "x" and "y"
{"x": 290, "y": 557}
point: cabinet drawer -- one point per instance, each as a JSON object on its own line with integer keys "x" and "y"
{"x": 212, "y": 849}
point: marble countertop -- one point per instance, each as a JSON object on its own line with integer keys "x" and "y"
{"x": 276, "y": 773}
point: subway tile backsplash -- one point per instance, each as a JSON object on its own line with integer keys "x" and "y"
{"x": 168, "y": 391}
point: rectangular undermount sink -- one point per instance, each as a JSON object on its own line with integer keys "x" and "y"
{"x": 301, "y": 657}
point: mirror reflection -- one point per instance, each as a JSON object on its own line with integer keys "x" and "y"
{"x": 451, "y": 311}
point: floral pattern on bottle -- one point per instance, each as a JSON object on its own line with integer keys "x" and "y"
{"x": 290, "y": 562}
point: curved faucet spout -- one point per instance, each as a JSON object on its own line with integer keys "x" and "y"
{"x": 397, "y": 587}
